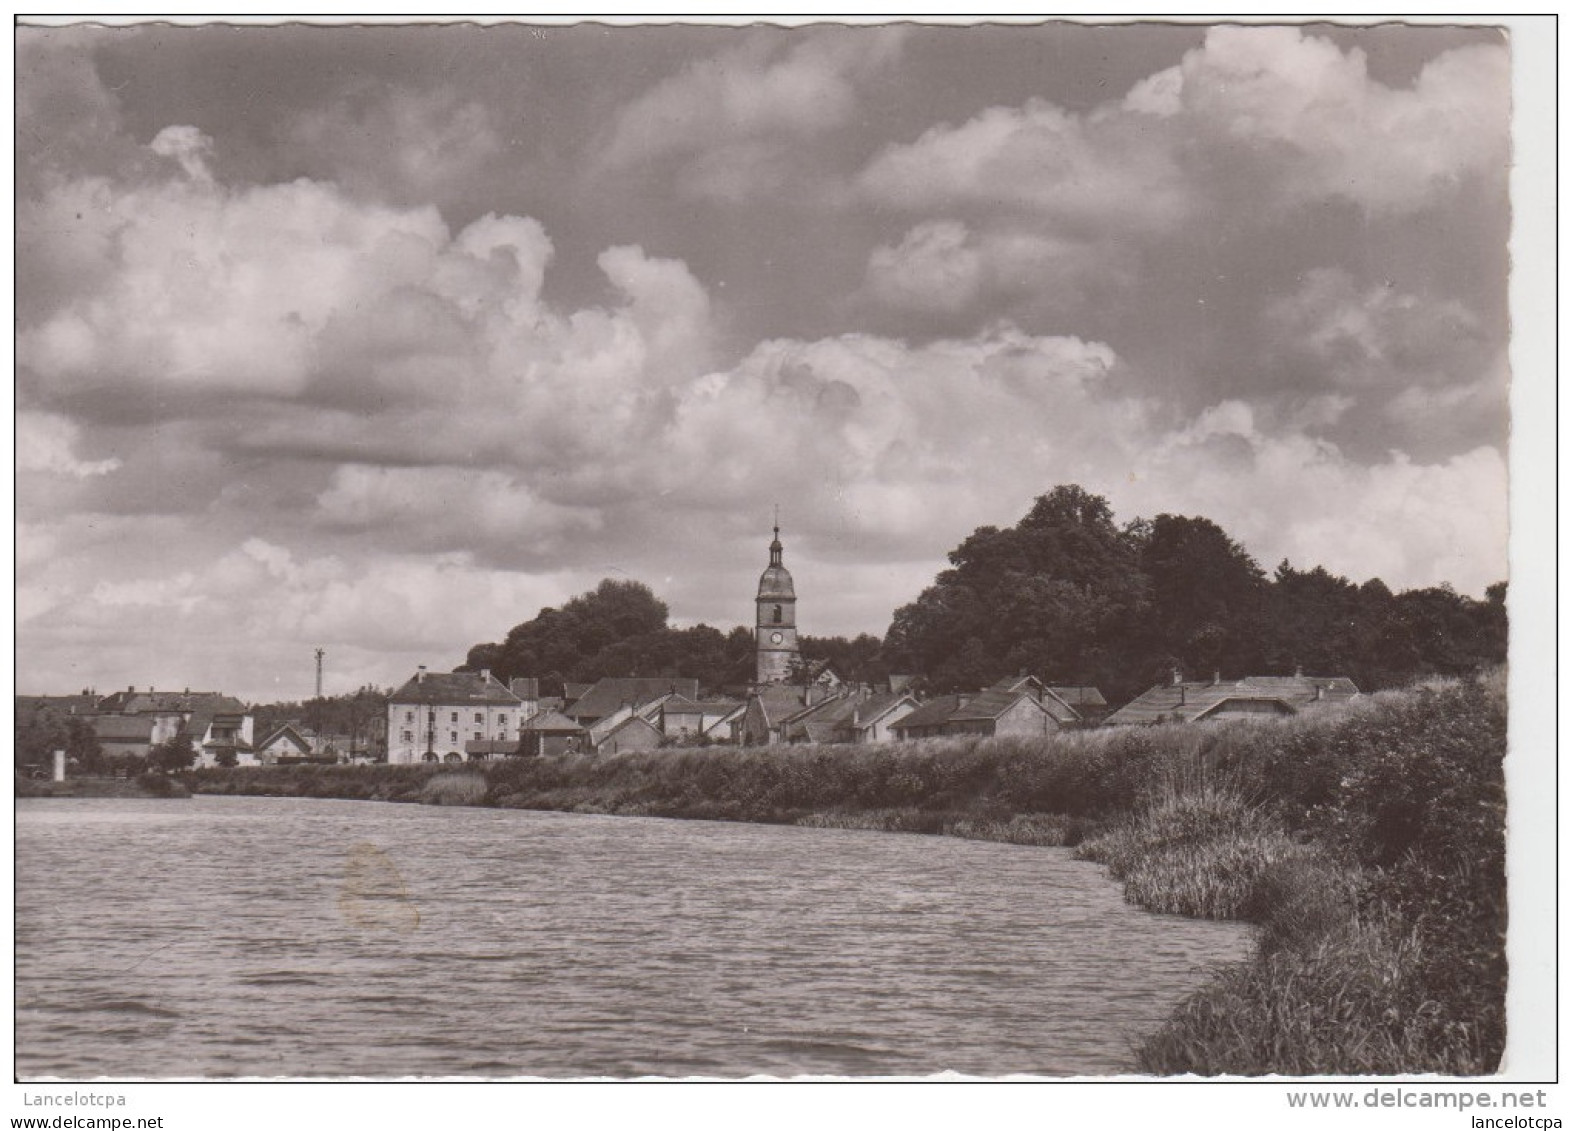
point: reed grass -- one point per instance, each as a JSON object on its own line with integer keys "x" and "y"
{"x": 454, "y": 789}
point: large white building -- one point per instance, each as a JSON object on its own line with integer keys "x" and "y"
{"x": 456, "y": 716}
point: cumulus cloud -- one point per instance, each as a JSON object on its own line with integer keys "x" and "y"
{"x": 1299, "y": 104}
{"x": 734, "y": 121}
{"x": 1286, "y": 495}
{"x": 187, "y": 145}
{"x": 767, "y": 85}
{"x": 1073, "y": 169}
{"x": 1376, "y": 335}
{"x": 1286, "y": 109}
{"x": 933, "y": 268}
{"x": 46, "y": 442}
{"x": 397, "y": 145}
{"x": 432, "y": 508}
{"x": 943, "y": 266}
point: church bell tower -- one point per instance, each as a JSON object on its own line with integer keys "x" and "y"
{"x": 775, "y": 627}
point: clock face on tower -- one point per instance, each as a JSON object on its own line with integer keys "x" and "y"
{"x": 776, "y": 638}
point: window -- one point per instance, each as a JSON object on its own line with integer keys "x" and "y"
{"x": 776, "y": 619}
{"x": 454, "y": 719}
{"x": 409, "y": 736}
{"x": 479, "y": 718}
{"x": 452, "y": 736}
{"x": 478, "y": 736}
{"x": 409, "y": 716}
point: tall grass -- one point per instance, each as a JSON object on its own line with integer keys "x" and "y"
{"x": 1366, "y": 842}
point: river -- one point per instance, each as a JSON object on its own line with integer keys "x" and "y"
{"x": 223, "y": 937}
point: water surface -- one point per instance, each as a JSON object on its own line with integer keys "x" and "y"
{"x": 267, "y": 937}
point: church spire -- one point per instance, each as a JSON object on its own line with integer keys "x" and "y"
{"x": 775, "y": 546}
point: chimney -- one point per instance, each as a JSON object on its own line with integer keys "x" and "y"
{"x": 1178, "y": 677}
{"x": 962, "y": 700}
{"x": 1217, "y": 677}
{"x": 1182, "y": 690}
{"x": 420, "y": 674}
{"x": 1299, "y": 672}
{"x": 485, "y": 675}
{"x": 1319, "y": 690}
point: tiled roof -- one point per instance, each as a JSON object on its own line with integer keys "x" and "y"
{"x": 632, "y": 722}
{"x": 820, "y": 722}
{"x": 169, "y": 702}
{"x": 1080, "y": 696}
{"x": 935, "y": 712}
{"x": 609, "y": 694}
{"x": 1191, "y": 700}
{"x": 871, "y": 708}
{"x": 525, "y": 687}
{"x": 68, "y": 704}
{"x": 991, "y": 704}
{"x": 285, "y": 731}
{"x": 1040, "y": 692}
{"x": 778, "y": 701}
{"x": 123, "y": 728}
{"x": 455, "y": 688}
{"x": 551, "y": 722}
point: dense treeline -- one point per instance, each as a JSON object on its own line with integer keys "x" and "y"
{"x": 356, "y": 714}
{"x": 1069, "y": 596}
{"x": 621, "y": 629}
{"x": 41, "y": 730}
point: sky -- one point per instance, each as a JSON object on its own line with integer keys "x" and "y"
{"x": 380, "y": 339}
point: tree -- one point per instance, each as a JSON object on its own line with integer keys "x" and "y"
{"x": 1059, "y": 595}
{"x": 178, "y": 753}
{"x": 82, "y": 747}
{"x": 1207, "y": 594}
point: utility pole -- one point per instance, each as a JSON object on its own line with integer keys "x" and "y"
{"x": 319, "y": 673}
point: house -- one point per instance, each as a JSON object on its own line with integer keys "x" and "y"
{"x": 1016, "y": 713}
{"x": 1200, "y": 700}
{"x": 768, "y": 707}
{"x": 284, "y": 743}
{"x": 875, "y": 717}
{"x": 607, "y": 696}
{"x": 1019, "y": 706}
{"x": 682, "y": 718}
{"x": 549, "y": 732}
{"x": 220, "y": 738}
{"x": 133, "y": 722}
{"x": 725, "y": 727}
{"x": 780, "y": 713}
{"x": 435, "y": 715}
{"x": 633, "y": 732}
{"x": 124, "y": 734}
{"x": 1087, "y": 702}
{"x": 1055, "y": 703}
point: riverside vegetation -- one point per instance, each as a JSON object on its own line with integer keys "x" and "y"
{"x": 1367, "y": 843}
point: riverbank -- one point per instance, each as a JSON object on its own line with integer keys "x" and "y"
{"x": 142, "y": 787}
{"x": 1368, "y": 844}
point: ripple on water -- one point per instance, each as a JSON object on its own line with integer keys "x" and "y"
{"x": 258, "y": 939}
